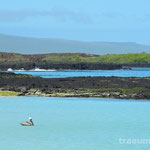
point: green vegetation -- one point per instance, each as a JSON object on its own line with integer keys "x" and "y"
{"x": 9, "y": 93}
{"x": 123, "y": 90}
{"x": 110, "y": 58}
{"x": 76, "y": 57}
{"x": 71, "y": 58}
{"x": 90, "y": 92}
{"x": 125, "y": 58}
{"x": 83, "y": 92}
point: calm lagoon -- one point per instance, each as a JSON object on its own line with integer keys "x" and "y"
{"x": 73, "y": 123}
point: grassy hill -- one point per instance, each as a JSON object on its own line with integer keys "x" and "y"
{"x": 76, "y": 57}
{"x": 124, "y": 58}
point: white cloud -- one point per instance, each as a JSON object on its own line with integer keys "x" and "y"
{"x": 61, "y": 15}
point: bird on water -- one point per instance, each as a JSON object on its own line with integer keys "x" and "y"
{"x": 26, "y": 123}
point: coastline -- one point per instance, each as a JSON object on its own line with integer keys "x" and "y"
{"x": 104, "y": 87}
{"x": 59, "y": 66}
{"x": 73, "y": 61}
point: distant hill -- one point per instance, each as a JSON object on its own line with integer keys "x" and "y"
{"x": 137, "y": 58}
{"x": 28, "y": 45}
{"x": 73, "y": 61}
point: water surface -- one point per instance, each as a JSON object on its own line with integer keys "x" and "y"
{"x": 135, "y": 72}
{"x": 73, "y": 123}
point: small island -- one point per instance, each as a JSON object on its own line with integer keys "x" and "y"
{"x": 73, "y": 61}
{"x": 109, "y": 87}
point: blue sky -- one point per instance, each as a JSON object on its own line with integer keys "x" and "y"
{"x": 87, "y": 20}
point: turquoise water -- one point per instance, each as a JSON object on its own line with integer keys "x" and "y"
{"x": 135, "y": 72}
{"x": 73, "y": 123}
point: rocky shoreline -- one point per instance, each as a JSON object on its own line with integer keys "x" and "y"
{"x": 59, "y": 66}
{"x": 73, "y": 61}
{"x": 108, "y": 87}
{"x": 57, "y": 61}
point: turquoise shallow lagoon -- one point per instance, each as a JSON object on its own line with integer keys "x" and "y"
{"x": 73, "y": 123}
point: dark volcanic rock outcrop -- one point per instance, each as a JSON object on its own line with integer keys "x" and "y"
{"x": 118, "y": 87}
{"x": 73, "y": 66}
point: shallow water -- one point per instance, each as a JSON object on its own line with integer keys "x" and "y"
{"x": 135, "y": 72}
{"x": 73, "y": 123}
